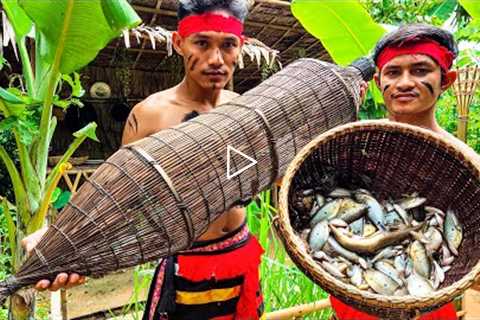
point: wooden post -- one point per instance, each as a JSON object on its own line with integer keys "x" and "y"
{"x": 298, "y": 311}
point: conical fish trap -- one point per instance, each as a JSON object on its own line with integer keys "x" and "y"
{"x": 155, "y": 196}
{"x": 397, "y": 159}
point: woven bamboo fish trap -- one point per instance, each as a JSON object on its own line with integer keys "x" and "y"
{"x": 154, "y": 197}
{"x": 464, "y": 88}
{"x": 398, "y": 159}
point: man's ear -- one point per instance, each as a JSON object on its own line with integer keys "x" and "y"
{"x": 376, "y": 77}
{"x": 448, "y": 79}
{"x": 177, "y": 41}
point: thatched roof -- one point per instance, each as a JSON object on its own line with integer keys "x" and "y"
{"x": 270, "y": 21}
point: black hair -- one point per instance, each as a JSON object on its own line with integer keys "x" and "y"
{"x": 416, "y": 32}
{"x": 237, "y": 8}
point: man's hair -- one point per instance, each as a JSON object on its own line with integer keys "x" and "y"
{"x": 415, "y": 32}
{"x": 237, "y": 8}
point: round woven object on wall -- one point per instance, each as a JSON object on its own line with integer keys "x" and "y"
{"x": 396, "y": 159}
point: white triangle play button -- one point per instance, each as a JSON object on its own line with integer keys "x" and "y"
{"x": 231, "y": 149}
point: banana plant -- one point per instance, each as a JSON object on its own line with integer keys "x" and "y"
{"x": 67, "y": 35}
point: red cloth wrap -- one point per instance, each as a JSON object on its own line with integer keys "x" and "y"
{"x": 242, "y": 261}
{"x": 345, "y": 312}
{"x": 426, "y": 47}
{"x": 210, "y": 22}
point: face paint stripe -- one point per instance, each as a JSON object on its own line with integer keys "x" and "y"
{"x": 429, "y": 86}
{"x": 194, "y": 63}
{"x": 385, "y": 88}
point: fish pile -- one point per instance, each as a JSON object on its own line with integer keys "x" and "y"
{"x": 393, "y": 247}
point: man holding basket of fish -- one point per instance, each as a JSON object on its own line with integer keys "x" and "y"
{"x": 414, "y": 69}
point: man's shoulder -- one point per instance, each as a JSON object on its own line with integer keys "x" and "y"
{"x": 153, "y": 104}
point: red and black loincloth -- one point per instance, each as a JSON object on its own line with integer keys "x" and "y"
{"x": 216, "y": 279}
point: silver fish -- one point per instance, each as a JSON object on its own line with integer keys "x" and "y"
{"x": 355, "y": 274}
{"x": 320, "y": 255}
{"x": 340, "y": 193}
{"x": 452, "y": 231}
{"x": 402, "y": 213}
{"x": 435, "y": 211}
{"x": 357, "y": 226}
{"x": 399, "y": 262}
{"x": 330, "y": 268}
{"x": 438, "y": 275}
{"x": 389, "y": 270}
{"x": 375, "y": 211}
{"x": 401, "y": 292}
{"x": 351, "y": 210}
{"x": 421, "y": 263}
{"x": 320, "y": 200}
{"x": 328, "y": 211}
{"x": 387, "y": 253}
{"x": 319, "y": 235}
{"x": 418, "y": 285}
{"x": 352, "y": 256}
{"x": 411, "y": 202}
{"x": 434, "y": 238}
{"x": 380, "y": 282}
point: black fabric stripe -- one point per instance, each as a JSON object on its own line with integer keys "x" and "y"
{"x": 234, "y": 246}
{"x": 182, "y": 284}
{"x": 150, "y": 293}
{"x": 205, "y": 311}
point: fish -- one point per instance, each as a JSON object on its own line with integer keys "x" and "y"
{"x": 319, "y": 235}
{"x": 351, "y": 210}
{"x": 356, "y": 275}
{"x": 387, "y": 253}
{"x": 337, "y": 222}
{"x": 402, "y": 213}
{"x": 419, "y": 286}
{"x": 357, "y": 226}
{"x": 340, "y": 193}
{"x": 328, "y": 211}
{"x": 411, "y": 202}
{"x": 389, "y": 270}
{"x": 380, "y": 282}
{"x": 421, "y": 262}
{"x": 400, "y": 263}
{"x": 373, "y": 243}
{"x": 375, "y": 211}
{"x": 452, "y": 231}
{"x": 438, "y": 275}
{"x": 330, "y": 268}
{"x": 320, "y": 200}
{"x": 434, "y": 238}
{"x": 352, "y": 256}
{"x": 402, "y": 291}
{"x": 320, "y": 255}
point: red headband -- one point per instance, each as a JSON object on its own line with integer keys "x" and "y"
{"x": 210, "y": 22}
{"x": 426, "y": 47}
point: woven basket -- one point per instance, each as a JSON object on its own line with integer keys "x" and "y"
{"x": 399, "y": 159}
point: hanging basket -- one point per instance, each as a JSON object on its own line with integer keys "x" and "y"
{"x": 399, "y": 159}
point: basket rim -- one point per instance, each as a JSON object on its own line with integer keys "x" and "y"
{"x": 300, "y": 255}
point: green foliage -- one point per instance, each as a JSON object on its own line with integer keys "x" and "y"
{"x": 283, "y": 284}
{"x": 344, "y": 27}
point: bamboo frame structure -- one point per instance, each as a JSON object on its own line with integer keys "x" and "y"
{"x": 464, "y": 88}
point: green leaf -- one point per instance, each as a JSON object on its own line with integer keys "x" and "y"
{"x": 62, "y": 200}
{"x": 20, "y": 22}
{"x": 56, "y": 193}
{"x": 443, "y": 10}
{"x": 10, "y": 97}
{"x": 75, "y": 84}
{"x": 11, "y": 229}
{"x": 119, "y": 14}
{"x": 74, "y": 37}
{"x": 472, "y": 7}
{"x": 88, "y": 131}
{"x": 345, "y": 28}
{"x": 7, "y": 124}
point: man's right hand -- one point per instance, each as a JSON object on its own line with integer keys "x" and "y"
{"x": 63, "y": 280}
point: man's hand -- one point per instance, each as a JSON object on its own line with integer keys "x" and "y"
{"x": 63, "y": 280}
{"x": 363, "y": 92}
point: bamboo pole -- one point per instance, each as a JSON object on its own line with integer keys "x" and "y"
{"x": 298, "y": 311}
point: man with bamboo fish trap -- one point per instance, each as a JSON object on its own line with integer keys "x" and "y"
{"x": 218, "y": 277}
